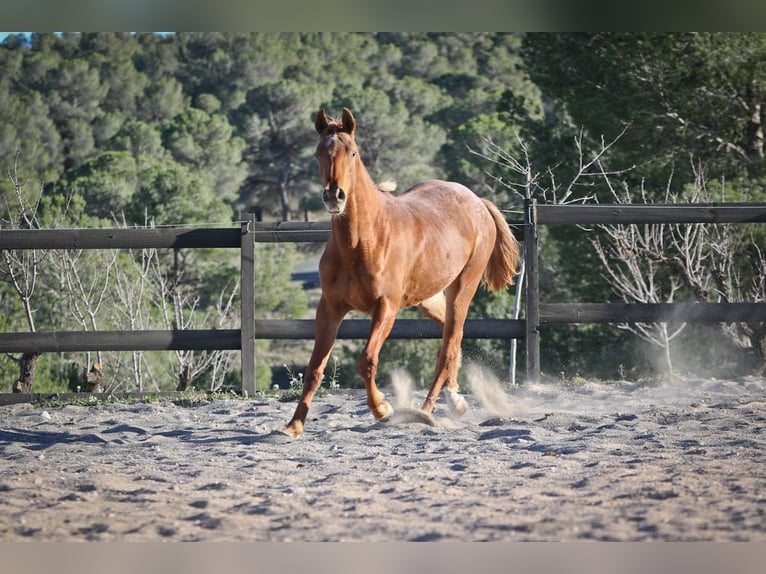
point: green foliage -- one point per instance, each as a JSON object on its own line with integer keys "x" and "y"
{"x": 683, "y": 95}
{"x": 141, "y": 139}
{"x": 68, "y": 98}
{"x": 206, "y": 144}
{"x": 170, "y": 192}
{"x": 105, "y": 183}
{"x": 263, "y": 374}
{"x": 275, "y": 121}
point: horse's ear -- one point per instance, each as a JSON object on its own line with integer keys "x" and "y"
{"x": 321, "y": 122}
{"x": 349, "y": 123}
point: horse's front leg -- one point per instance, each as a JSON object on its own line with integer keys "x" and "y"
{"x": 325, "y": 331}
{"x": 382, "y": 321}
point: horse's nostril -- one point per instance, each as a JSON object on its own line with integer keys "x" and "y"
{"x": 333, "y": 194}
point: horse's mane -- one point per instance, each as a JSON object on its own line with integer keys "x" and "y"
{"x": 387, "y": 186}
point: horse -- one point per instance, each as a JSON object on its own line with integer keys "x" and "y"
{"x": 429, "y": 247}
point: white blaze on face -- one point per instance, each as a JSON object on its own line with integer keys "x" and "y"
{"x": 333, "y": 196}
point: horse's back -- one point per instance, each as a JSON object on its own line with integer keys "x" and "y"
{"x": 437, "y": 187}
{"x": 441, "y": 204}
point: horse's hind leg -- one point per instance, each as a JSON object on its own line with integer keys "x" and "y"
{"x": 458, "y": 298}
{"x": 436, "y": 308}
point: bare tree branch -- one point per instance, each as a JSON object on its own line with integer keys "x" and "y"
{"x": 532, "y": 184}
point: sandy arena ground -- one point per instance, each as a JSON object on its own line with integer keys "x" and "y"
{"x": 619, "y": 461}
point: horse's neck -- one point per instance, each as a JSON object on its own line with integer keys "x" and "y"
{"x": 361, "y": 224}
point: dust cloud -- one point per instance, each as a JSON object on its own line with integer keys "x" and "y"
{"x": 496, "y": 398}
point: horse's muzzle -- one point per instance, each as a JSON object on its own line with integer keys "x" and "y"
{"x": 334, "y": 199}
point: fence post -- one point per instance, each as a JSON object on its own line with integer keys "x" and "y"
{"x": 532, "y": 311}
{"x": 247, "y": 305}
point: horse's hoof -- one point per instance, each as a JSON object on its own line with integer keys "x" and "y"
{"x": 383, "y": 412}
{"x": 293, "y": 430}
{"x": 456, "y": 403}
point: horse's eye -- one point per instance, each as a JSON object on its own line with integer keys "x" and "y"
{"x": 353, "y": 153}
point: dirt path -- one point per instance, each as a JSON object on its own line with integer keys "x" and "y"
{"x": 597, "y": 461}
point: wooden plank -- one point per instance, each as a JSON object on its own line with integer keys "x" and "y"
{"x": 652, "y": 312}
{"x": 403, "y": 329}
{"x": 71, "y": 341}
{"x": 230, "y": 339}
{"x": 291, "y": 231}
{"x": 318, "y": 231}
{"x": 139, "y": 238}
{"x": 657, "y": 213}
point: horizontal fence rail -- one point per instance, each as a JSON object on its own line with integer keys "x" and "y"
{"x": 229, "y": 339}
{"x": 638, "y": 214}
{"x": 291, "y": 231}
{"x": 652, "y": 312}
{"x": 74, "y": 341}
{"x": 316, "y": 231}
{"x": 402, "y": 329}
{"x": 138, "y": 238}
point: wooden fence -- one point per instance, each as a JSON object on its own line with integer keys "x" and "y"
{"x": 251, "y": 232}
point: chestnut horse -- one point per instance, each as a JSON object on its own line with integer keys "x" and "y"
{"x": 429, "y": 247}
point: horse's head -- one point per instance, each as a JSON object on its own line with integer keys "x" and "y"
{"x": 337, "y": 155}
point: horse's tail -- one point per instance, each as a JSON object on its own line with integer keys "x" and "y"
{"x": 505, "y": 254}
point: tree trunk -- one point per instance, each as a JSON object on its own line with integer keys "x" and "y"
{"x": 91, "y": 380}
{"x": 27, "y": 367}
{"x": 755, "y": 133}
{"x": 184, "y": 378}
{"x": 283, "y": 190}
{"x": 757, "y": 335}
{"x": 284, "y": 201}
{"x": 666, "y": 347}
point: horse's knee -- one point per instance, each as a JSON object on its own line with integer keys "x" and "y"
{"x": 368, "y": 366}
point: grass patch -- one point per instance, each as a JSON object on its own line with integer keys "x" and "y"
{"x": 189, "y": 398}
{"x": 296, "y": 385}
